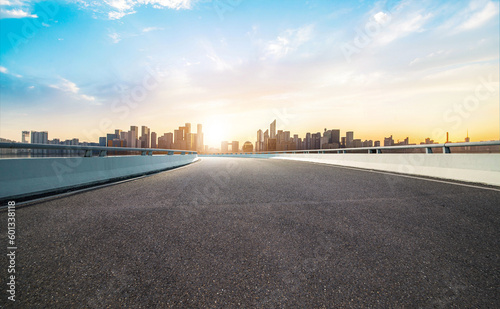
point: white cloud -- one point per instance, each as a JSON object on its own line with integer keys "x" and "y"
{"x": 16, "y": 13}
{"x": 86, "y": 97}
{"x": 117, "y": 15}
{"x": 479, "y": 17}
{"x": 289, "y": 41}
{"x": 433, "y": 55}
{"x": 115, "y": 37}
{"x": 149, "y": 29}
{"x": 382, "y": 18}
{"x": 68, "y": 86}
{"x": 121, "y": 8}
{"x": 403, "y": 27}
{"x": 6, "y": 71}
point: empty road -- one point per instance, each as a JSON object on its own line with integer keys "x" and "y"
{"x": 260, "y": 233}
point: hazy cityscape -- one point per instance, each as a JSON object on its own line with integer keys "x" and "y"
{"x": 185, "y": 138}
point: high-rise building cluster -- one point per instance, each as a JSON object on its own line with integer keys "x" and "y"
{"x": 272, "y": 140}
{"x": 182, "y": 139}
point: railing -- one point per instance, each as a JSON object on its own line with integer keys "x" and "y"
{"x": 446, "y": 148}
{"x": 89, "y": 150}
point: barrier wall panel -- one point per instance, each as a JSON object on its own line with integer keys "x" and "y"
{"x": 29, "y": 176}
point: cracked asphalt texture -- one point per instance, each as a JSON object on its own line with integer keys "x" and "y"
{"x": 260, "y": 233}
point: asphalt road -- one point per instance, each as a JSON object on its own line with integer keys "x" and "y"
{"x": 260, "y": 233}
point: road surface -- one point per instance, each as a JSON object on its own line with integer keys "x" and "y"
{"x": 261, "y": 233}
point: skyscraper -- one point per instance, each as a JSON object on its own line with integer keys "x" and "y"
{"x": 224, "y": 147}
{"x": 145, "y": 137}
{"x": 259, "y": 145}
{"x": 154, "y": 140}
{"x": 25, "y": 137}
{"x": 349, "y": 138}
{"x": 39, "y": 138}
{"x": 166, "y": 141}
{"x": 199, "y": 138}
{"x": 272, "y": 129}
{"x": 133, "y": 136}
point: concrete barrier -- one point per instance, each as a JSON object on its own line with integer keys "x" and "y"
{"x": 479, "y": 168}
{"x": 33, "y": 176}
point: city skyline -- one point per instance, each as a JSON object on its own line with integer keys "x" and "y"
{"x": 185, "y": 139}
{"x": 406, "y": 68}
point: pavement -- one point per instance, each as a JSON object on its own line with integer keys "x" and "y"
{"x": 260, "y": 233}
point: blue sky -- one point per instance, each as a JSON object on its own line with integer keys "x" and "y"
{"x": 407, "y": 68}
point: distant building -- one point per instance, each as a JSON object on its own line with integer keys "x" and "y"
{"x": 39, "y": 138}
{"x": 272, "y": 129}
{"x": 224, "y": 148}
{"x": 349, "y": 138}
{"x": 25, "y": 137}
{"x": 266, "y": 140}
{"x": 166, "y": 141}
{"x": 145, "y": 137}
{"x": 271, "y": 144}
{"x": 357, "y": 143}
{"x": 102, "y": 141}
{"x": 368, "y": 143}
{"x": 199, "y": 139}
{"x": 376, "y": 144}
{"x": 388, "y": 141}
{"x": 247, "y": 147}
{"x": 235, "y": 146}
{"x": 259, "y": 144}
{"x": 154, "y": 140}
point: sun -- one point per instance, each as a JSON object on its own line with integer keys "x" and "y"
{"x": 215, "y": 130}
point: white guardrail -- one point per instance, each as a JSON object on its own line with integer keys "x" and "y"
{"x": 22, "y": 177}
{"x": 468, "y": 167}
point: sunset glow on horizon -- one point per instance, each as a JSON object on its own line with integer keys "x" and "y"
{"x": 417, "y": 69}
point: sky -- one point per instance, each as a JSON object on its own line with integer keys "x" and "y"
{"x": 81, "y": 68}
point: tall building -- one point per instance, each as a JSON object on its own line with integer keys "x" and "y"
{"x": 145, "y": 137}
{"x": 179, "y": 138}
{"x": 272, "y": 129}
{"x": 39, "y": 138}
{"x": 266, "y": 140}
{"x": 316, "y": 140}
{"x": 259, "y": 145}
{"x": 25, "y": 137}
{"x": 133, "y": 137}
{"x": 199, "y": 138}
{"x": 102, "y": 141}
{"x": 336, "y": 136}
{"x": 388, "y": 141}
{"x": 166, "y": 141}
{"x": 349, "y": 139}
{"x": 154, "y": 140}
{"x": 224, "y": 147}
{"x": 308, "y": 141}
{"x": 235, "y": 146}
